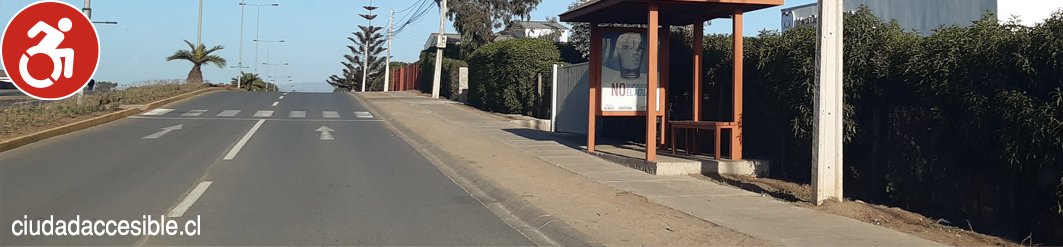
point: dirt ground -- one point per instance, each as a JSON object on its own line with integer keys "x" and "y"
{"x": 25, "y": 130}
{"x": 889, "y": 217}
{"x": 611, "y": 216}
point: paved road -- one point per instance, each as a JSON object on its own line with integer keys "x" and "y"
{"x": 274, "y": 178}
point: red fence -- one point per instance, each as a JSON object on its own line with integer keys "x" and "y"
{"x": 405, "y": 78}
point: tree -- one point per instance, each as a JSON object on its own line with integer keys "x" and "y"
{"x": 105, "y": 86}
{"x": 198, "y": 55}
{"x": 476, "y": 20}
{"x": 247, "y": 81}
{"x": 367, "y": 38}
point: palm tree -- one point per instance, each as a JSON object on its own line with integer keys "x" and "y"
{"x": 198, "y": 55}
{"x": 246, "y": 81}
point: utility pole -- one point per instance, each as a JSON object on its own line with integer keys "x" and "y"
{"x": 199, "y": 32}
{"x": 387, "y": 66}
{"x": 827, "y": 170}
{"x": 441, "y": 42}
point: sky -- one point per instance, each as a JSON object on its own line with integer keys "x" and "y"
{"x": 315, "y": 35}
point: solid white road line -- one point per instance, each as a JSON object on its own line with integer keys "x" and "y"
{"x": 363, "y": 114}
{"x": 163, "y": 132}
{"x": 240, "y": 144}
{"x": 276, "y": 102}
{"x": 256, "y": 119}
{"x": 193, "y": 113}
{"x": 263, "y": 113}
{"x": 330, "y": 114}
{"x": 157, "y": 112}
{"x": 297, "y": 114}
{"x": 228, "y": 113}
{"x": 178, "y": 211}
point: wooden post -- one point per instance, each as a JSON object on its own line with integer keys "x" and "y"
{"x": 827, "y": 119}
{"x": 699, "y": 39}
{"x": 595, "y": 82}
{"x": 736, "y": 133}
{"x": 666, "y": 39}
{"x": 651, "y": 93}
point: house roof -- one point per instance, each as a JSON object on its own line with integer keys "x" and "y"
{"x": 542, "y": 25}
{"x": 452, "y": 38}
{"x": 674, "y": 12}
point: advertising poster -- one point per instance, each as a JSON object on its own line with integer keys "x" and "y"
{"x": 624, "y": 71}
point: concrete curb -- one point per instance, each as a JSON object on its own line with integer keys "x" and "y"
{"x": 540, "y": 227}
{"x": 13, "y": 143}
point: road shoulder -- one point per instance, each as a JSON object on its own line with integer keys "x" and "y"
{"x": 608, "y": 215}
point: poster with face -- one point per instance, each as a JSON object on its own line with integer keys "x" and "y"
{"x": 624, "y": 71}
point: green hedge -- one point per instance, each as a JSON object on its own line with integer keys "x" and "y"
{"x": 503, "y": 76}
{"x": 964, "y": 124}
{"x": 449, "y": 75}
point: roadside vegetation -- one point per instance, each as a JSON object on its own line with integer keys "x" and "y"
{"x": 28, "y": 118}
{"x": 198, "y": 55}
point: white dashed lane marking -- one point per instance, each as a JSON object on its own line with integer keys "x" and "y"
{"x": 275, "y": 103}
{"x": 157, "y": 112}
{"x": 330, "y": 114}
{"x": 229, "y": 113}
{"x": 363, "y": 114}
{"x": 297, "y": 114}
{"x": 263, "y": 113}
{"x": 193, "y": 113}
{"x": 178, "y": 211}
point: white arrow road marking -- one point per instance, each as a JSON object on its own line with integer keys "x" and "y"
{"x": 178, "y": 211}
{"x": 297, "y": 114}
{"x": 163, "y": 132}
{"x": 325, "y": 135}
{"x": 363, "y": 114}
{"x": 263, "y": 113}
{"x": 330, "y": 114}
{"x": 157, "y": 112}
{"x": 228, "y": 113}
{"x": 240, "y": 144}
{"x": 193, "y": 113}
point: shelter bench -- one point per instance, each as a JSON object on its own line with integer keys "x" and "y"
{"x": 686, "y": 126}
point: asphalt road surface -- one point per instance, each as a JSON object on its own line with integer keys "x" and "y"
{"x": 302, "y": 169}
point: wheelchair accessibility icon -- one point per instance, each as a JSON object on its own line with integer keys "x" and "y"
{"x": 48, "y": 46}
{"x": 54, "y": 32}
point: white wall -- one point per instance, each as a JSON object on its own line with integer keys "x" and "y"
{"x": 1030, "y": 12}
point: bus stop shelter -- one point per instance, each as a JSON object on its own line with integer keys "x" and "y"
{"x": 622, "y": 60}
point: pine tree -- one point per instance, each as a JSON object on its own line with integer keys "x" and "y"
{"x": 367, "y": 38}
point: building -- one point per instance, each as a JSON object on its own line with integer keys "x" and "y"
{"x": 923, "y": 16}
{"x": 453, "y": 40}
{"x": 5, "y": 81}
{"x": 535, "y": 29}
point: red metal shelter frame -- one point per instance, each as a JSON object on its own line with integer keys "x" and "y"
{"x": 677, "y": 12}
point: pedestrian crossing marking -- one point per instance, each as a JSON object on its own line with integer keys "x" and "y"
{"x": 330, "y": 114}
{"x": 229, "y": 113}
{"x": 263, "y": 113}
{"x": 193, "y": 113}
{"x": 363, "y": 114}
{"x": 297, "y": 114}
{"x": 157, "y": 112}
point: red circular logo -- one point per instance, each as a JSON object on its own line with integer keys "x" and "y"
{"x": 50, "y": 50}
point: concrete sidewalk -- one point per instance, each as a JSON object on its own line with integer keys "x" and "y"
{"x": 761, "y": 217}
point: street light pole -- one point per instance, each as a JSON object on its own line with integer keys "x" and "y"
{"x": 258, "y": 17}
{"x": 240, "y": 64}
{"x": 88, "y": 13}
{"x": 199, "y": 31}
